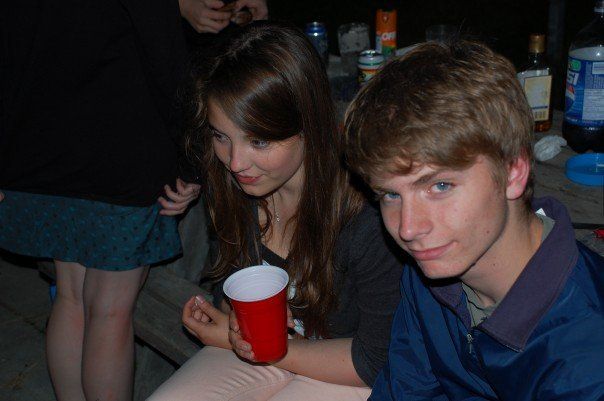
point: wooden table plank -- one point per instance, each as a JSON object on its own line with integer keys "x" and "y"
{"x": 585, "y": 204}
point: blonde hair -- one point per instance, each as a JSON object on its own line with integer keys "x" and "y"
{"x": 444, "y": 105}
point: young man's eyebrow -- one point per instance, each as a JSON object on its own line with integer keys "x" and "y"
{"x": 377, "y": 188}
{"x": 424, "y": 179}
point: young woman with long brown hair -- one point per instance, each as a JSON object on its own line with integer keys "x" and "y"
{"x": 277, "y": 193}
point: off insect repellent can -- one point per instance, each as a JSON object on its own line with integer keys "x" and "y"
{"x": 385, "y": 32}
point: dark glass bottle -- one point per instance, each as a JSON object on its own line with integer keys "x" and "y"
{"x": 536, "y": 80}
{"x": 583, "y": 125}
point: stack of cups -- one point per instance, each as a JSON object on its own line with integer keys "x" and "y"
{"x": 258, "y": 297}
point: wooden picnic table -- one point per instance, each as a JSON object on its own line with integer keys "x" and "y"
{"x": 584, "y": 203}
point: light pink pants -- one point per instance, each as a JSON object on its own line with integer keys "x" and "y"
{"x": 216, "y": 374}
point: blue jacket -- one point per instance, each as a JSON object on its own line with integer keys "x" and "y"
{"x": 545, "y": 340}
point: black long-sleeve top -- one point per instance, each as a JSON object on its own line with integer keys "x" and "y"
{"x": 368, "y": 271}
{"x": 87, "y": 98}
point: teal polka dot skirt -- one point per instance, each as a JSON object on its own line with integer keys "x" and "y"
{"x": 94, "y": 234}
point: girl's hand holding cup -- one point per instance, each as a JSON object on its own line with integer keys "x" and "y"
{"x": 240, "y": 346}
{"x": 258, "y": 324}
{"x": 207, "y": 323}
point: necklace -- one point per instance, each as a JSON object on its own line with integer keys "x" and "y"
{"x": 277, "y": 217}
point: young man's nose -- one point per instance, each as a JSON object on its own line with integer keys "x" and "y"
{"x": 414, "y": 221}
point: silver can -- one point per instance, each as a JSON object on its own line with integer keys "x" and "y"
{"x": 370, "y": 61}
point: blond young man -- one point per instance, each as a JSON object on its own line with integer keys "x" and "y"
{"x": 503, "y": 303}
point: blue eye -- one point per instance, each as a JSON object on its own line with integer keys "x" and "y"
{"x": 442, "y": 187}
{"x": 387, "y": 196}
{"x": 259, "y": 143}
{"x": 391, "y": 195}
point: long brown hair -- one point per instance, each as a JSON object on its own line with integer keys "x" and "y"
{"x": 271, "y": 83}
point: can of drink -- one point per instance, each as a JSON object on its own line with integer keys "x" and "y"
{"x": 385, "y": 32}
{"x": 317, "y": 34}
{"x": 370, "y": 61}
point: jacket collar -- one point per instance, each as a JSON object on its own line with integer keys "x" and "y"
{"x": 535, "y": 290}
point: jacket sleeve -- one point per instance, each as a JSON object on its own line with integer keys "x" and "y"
{"x": 572, "y": 362}
{"x": 407, "y": 375}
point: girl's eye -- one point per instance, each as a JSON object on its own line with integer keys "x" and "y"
{"x": 218, "y": 136}
{"x": 259, "y": 143}
{"x": 441, "y": 187}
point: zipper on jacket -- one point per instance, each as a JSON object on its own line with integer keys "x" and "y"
{"x": 470, "y": 343}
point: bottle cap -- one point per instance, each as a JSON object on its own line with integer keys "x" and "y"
{"x": 536, "y": 43}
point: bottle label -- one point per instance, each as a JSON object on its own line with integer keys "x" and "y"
{"x": 537, "y": 86}
{"x": 584, "y": 104}
{"x": 385, "y": 43}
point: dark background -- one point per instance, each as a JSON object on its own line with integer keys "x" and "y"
{"x": 504, "y": 25}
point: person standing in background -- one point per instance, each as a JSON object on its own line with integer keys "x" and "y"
{"x": 89, "y": 175}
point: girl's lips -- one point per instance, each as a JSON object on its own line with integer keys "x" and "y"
{"x": 246, "y": 180}
{"x": 430, "y": 254}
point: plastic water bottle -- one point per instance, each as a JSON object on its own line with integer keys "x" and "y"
{"x": 583, "y": 125}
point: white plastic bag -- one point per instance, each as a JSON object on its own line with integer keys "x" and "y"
{"x": 548, "y": 147}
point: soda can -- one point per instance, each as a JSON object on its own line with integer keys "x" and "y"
{"x": 317, "y": 34}
{"x": 370, "y": 61}
{"x": 385, "y": 32}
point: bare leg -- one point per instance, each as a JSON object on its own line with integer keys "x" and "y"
{"x": 65, "y": 332}
{"x": 108, "y": 353}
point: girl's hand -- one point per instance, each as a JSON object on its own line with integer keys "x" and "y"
{"x": 178, "y": 201}
{"x": 239, "y": 345}
{"x": 242, "y": 347}
{"x": 290, "y": 318}
{"x": 204, "y": 321}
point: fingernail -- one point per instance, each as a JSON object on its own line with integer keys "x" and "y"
{"x": 199, "y": 300}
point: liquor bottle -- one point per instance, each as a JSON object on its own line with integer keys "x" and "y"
{"x": 536, "y": 80}
{"x": 583, "y": 125}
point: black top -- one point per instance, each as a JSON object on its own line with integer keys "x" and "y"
{"x": 86, "y": 98}
{"x": 368, "y": 271}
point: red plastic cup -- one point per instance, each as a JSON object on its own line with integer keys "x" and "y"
{"x": 258, "y": 297}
